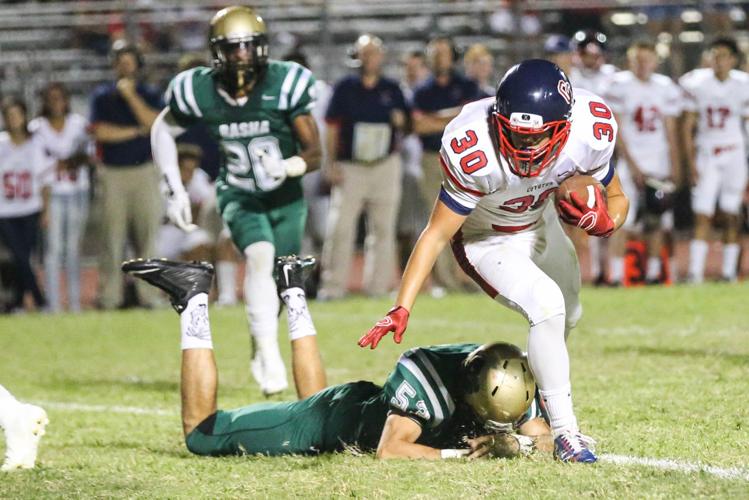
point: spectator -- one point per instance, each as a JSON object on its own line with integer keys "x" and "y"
{"x": 559, "y": 50}
{"x": 479, "y": 67}
{"x": 436, "y": 103}
{"x": 365, "y": 114}
{"x": 122, "y": 113}
{"x": 26, "y": 170}
{"x": 65, "y": 138}
{"x": 171, "y": 241}
{"x": 415, "y": 73}
{"x": 413, "y": 213}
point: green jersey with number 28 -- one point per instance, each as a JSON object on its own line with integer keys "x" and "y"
{"x": 261, "y": 122}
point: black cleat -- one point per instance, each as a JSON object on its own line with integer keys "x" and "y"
{"x": 180, "y": 280}
{"x": 293, "y": 271}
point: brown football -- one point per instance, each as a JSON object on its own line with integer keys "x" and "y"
{"x": 583, "y": 185}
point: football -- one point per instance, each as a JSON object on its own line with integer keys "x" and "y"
{"x": 583, "y": 185}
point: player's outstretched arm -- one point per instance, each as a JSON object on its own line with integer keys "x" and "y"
{"x": 443, "y": 224}
{"x": 398, "y": 440}
{"x": 164, "y": 148}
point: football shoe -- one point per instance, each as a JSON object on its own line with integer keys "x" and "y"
{"x": 572, "y": 446}
{"x": 180, "y": 280}
{"x": 293, "y": 271}
{"x": 22, "y": 434}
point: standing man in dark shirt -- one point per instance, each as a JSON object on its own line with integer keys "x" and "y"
{"x": 435, "y": 103}
{"x": 365, "y": 115}
{"x": 122, "y": 113}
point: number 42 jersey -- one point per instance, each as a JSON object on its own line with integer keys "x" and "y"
{"x": 478, "y": 183}
{"x": 248, "y": 127}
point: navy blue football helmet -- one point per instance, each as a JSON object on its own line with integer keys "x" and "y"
{"x": 532, "y": 115}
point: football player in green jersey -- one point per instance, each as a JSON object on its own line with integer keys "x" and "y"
{"x": 258, "y": 110}
{"x": 449, "y": 401}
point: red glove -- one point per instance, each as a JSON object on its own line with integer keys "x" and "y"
{"x": 395, "y": 321}
{"x": 595, "y": 221}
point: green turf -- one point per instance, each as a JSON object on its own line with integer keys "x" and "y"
{"x": 660, "y": 372}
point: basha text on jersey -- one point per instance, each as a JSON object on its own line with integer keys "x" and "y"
{"x": 244, "y": 129}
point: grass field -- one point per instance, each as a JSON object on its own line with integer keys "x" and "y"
{"x": 659, "y": 373}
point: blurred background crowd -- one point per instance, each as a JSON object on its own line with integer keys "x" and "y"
{"x": 82, "y": 81}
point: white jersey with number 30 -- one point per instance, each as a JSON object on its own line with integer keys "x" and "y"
{"x": 478, "y": 183}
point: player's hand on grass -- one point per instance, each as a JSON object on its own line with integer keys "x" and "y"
{"x": 395, "y": 321}
{"x": 593, "y": 220}
{"x": 481, "y": 446}
{"x": 179, "y": 212}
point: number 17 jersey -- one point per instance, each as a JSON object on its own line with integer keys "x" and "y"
{"x": 248, "y": 127}
{"x": 478, "y": 183}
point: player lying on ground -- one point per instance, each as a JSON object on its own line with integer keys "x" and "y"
{"x": 503, "y": 159}
{"x": 434, "y": 398}
{"x": 24, "y": 425}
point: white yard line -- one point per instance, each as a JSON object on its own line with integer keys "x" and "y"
{"x": 677, "y": 466}
{"x": 665, "y": 464}
{"x": 83, "y": 407}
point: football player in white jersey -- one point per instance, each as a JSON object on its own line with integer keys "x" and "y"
{"x": 716, "y": 101}
{"x": 592, "y": 73}
{"x": 503, "y": 159}
{"x": 646, "y": 106}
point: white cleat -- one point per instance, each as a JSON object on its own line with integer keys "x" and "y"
{"x": 22, "y": 435}
{"x": 274, "y": 377}
{"x": 267, "y": 367}
{"x": 256, "y": 368}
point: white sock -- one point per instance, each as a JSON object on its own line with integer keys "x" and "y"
{"x": 730, "y": 260}
{"x": 550, "y": 364}
{"x": 8, "y": 404}
{"x": 558, "y": 405}
{"x": 654, "y": 268}
{"x": 194, "y": 324}
{"x": 226, "y": 275}
{"x": 297, "y": 313}
{"x": 617, "y": 270}
{"x": 261, "y": 297}
{"x": 697, "y": 255}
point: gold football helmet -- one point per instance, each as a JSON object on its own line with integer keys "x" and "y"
{"x": 499, "y": 385}
{"x": 239, "y": 46}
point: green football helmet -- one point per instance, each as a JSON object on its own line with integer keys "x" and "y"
{"x": 499, "y": 386}
{"x": 236, "y": 31}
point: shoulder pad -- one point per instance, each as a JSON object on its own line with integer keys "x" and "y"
{"x": 414, "y": 388}
{"x": 593, "y": 134}
{"x": 180, "y": 95}
{"x": 463, "y": 136}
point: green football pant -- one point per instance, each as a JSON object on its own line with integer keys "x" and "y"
{"x": 251, "y": 220}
